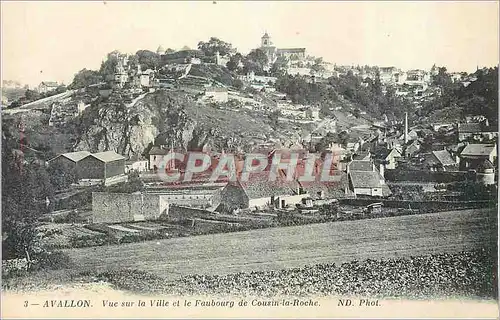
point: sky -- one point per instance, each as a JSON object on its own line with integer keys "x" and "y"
{"x": 51, "y": 41}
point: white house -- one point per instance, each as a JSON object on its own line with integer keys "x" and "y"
{"x": 365, "y": 179}
{"x": 147, "y": 78}
{"x": 216, "y": 94}
{"x": 47, "y": 86}
{"x": 137, "y": 166}
{"x": 157, "y": 158}
{"x": 313, "y": 113}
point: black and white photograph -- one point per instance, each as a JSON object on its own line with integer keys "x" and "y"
{"x": 236, "y": 159}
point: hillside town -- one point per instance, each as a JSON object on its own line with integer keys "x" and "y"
{"x": 101, "y": 154}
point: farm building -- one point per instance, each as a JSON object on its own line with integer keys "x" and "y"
{"x": 68, "y": 163}
{"x": 440, "y": 160}
{"x": 474, "y": 154}
{"x": 258, "y": 192}
{"x": 365, "y": 179}
{"x": 108, "y": 167}
{"x": 126, "y": 207}
{"x": 207, "y": 195}
{"x": 369, "y": 183}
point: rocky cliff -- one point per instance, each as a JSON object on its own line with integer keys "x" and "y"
{"x": 167, "y": 118}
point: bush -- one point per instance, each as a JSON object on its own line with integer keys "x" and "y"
{"x": 14, "y": 267}
{"x": 92, "y": 240}
{"x": 53, "y": 260}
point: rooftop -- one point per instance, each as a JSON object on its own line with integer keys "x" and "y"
{"x": 365, "y": 179}
{"x": 108, "y": 156}
{"x": 259, "y": 186}
{"x": 478, "y": 150}
{"x": 361, "y": 165}
{"x": 444, "y": 157}
{"x": 74, "y": 156}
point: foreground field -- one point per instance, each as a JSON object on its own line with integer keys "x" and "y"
{"x": 290, "y": 247}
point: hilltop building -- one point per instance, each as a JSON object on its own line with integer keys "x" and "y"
{"x": 274, "y": 53}
{"x": 47, "y": 86}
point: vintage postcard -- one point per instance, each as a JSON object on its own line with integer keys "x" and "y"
{"x": 236, "y": 159}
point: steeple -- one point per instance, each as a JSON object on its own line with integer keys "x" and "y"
{"x": 266, "y": 40}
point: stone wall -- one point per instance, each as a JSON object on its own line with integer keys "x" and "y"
{"x": 126, "y": 207}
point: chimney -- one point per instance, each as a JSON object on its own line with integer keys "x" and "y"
{"x": 406, "y": 127}
{"x": 382, "y": 170}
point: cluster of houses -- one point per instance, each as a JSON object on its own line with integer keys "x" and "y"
{"x": 474, "y": 149}
{"x": 360, "y": 168}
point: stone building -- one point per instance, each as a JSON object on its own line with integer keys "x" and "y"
{"x": 126, "y": 207}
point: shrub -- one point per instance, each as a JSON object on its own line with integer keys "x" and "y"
{"x": 91, "y": 240}
{"x": 53, "y": 260}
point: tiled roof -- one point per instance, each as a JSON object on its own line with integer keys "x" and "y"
{"x": 107, "y": 156}
{"x": 259, "y": 186}
{"x": 478, "y": 149}
{"x": 444, "y": 157}
{"x": 333, "y": 188}
{"x": 361, "y": 165}
{"x": 365, "y": 179}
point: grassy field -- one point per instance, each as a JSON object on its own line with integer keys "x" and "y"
{"x": 277, "y": 248}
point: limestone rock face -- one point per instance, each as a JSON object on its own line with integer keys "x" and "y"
{"x": 159, "y": 118}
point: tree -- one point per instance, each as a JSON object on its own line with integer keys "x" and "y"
{"x": 213, "y": 45}
{"x": 24, "y": 191}
{"x": 274, "y": 117}
{"x": 32, "y": 95}
{"x": 278, "y": 69}
{"x": 84, "y": 78}
{"x": 442, "y": 79}
{"x": 108, "y": 67}
{"x": 377, "y": 84}
{"x": 148, "y": 59}
{"x": 255, "y": 61}
{"x": 234, "y": 62}
{"x": 238, "y": 84}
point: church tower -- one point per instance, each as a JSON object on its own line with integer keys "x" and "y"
{"x": 265, "y": 41}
